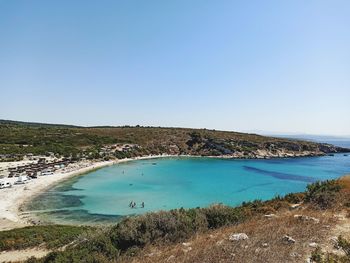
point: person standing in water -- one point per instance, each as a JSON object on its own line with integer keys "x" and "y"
{"x": 143, "y": 205}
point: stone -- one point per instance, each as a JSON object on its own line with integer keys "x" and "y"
{"x": 295, "y": 255}
{"x": 187, "y": 249}
{"x": 295, "y": 206}
{"x": 335, "y": 242}
{"x": 307, "y": 218}
{"x": 270, "y": 216}
{"x": 288, "y": 240}
{"x": 265, "y": 244}
{"x": 238, "y": 237}
{"x": 313, "y": 245}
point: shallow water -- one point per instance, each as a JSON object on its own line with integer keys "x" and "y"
{"x": 104, "y": 195}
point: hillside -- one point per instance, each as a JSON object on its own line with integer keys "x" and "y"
{"x": 22, "y": 138}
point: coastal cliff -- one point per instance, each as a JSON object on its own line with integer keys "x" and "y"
{"x": 203, "y": 142}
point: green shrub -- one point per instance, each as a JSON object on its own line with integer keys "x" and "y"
{"x": 52, "y": 235}
{"x": 322, "y": 194}
{"x": 98, "y": 242}
{"x": 317, "y": 256}
{"x": 344, "y": 245}
{"x": 295, "y": 197}
{"x": 219, "y": 215}
{"x": 169, "y": 226}
{"x": 90, "y": 247}
{"x": 74, "y": 256}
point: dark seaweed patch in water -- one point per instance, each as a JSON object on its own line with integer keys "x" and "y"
{"x": 247, "y": 188}
{"x": 66, "y": 186}
{"x": 80, "y": 216}
{"x": 52, "y": 200}
{"x": 282, "y": 176}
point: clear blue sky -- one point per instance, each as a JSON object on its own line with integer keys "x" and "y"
{"x": 279, "y": 66}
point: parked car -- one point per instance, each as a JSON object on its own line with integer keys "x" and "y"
{"x": 46, "y": 172}
{"x": 5, "y": 184}
{"x": 23, "y": 179}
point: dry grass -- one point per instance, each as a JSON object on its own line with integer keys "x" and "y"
{"x": 345, "y": 182}
{"x": 214, "y": 246}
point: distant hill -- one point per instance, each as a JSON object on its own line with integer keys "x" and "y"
{"x": 335, "y": 140}
{"x": 40, "y": 138}
{"x": 36, "y": 124}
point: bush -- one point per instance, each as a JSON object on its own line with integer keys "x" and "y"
{"x": 98, "y": 242}
{"x": 53, "y": 236}
{"x": 317, "y": 256}
{"x": 295, "y": 197}
{"x": 219, "y": 215}
{"x": 73, "y": 256}
{"x": 322, "y": 194}
{"x": 169, "y": 226}
{"x": 344, "y": 245}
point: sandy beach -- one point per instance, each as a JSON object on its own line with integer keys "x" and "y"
{"x": 12, "y": 198}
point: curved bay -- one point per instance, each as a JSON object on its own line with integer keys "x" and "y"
{"x": 104, "y": 195}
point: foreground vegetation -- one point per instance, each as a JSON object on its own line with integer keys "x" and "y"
{"x": 53, "y": 236}
{"x": 127, "y": 240}
{"x": 323, "y": 257}
{"x": 19, "y": 138}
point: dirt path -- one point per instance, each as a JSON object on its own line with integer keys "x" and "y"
{"x": 22, "y": 255}
{"x": 342, "y": 228}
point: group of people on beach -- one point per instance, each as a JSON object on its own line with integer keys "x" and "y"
{"x": 133, "y": 204}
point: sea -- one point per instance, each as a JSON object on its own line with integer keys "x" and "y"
{"x": 104, "y": 196}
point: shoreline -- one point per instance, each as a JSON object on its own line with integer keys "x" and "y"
{"x": 12, "y": 199}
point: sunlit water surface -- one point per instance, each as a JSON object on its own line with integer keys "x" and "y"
{"x": 104, "y": 195}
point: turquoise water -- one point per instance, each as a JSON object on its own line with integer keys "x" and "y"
{"x": 167, "y": 183}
